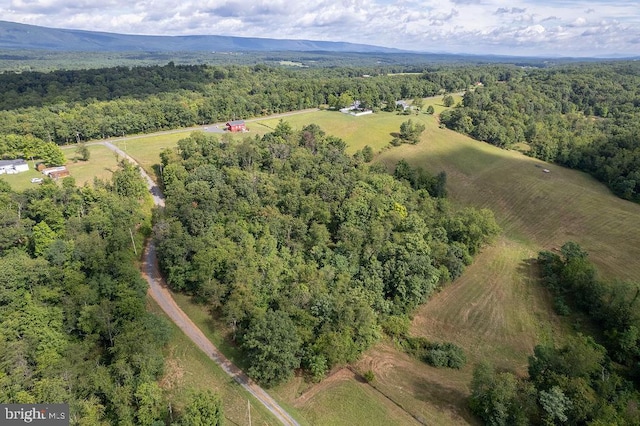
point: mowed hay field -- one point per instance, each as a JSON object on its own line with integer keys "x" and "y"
{"x": 497, "y": 311}
{"x": 541, "y": 209}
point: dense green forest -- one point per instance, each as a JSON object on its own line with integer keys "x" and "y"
{"x": 583, "y": 381}
{"x": 70, "y": 106}
{"x": 73, "y": 321}
{"x": 307, "y": 253}
{"x": 582, "y": 116}
{"x": 46, "y": 60}
{"x": 74, "y": 324}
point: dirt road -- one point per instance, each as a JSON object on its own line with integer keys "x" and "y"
{"x": 159, "y": 292}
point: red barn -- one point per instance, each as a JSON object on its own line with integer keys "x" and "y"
{"x": 236, "y": 126}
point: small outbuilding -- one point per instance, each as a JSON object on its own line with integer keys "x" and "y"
{"x": 59, "y": 174}
{"x": 236, "y": 126}
{"x": 56, "y": 173}
{"x": 11, "y": 167}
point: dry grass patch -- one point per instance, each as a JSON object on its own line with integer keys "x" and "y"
{"x": 434, "y": 396}
{"x": 496, "y": 311}
{"x": 351, "y": 402}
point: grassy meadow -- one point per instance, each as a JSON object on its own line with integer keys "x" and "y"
{"x": 101, "y": 164}
{"x": 496, "y": 311}
{"x": 22, "y": 181}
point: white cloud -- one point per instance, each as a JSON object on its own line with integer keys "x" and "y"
{"x": 570, "y": 27}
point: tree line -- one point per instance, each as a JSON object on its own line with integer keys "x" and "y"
{"x": 333, "y": 250}
{"x": 581, "y": 116}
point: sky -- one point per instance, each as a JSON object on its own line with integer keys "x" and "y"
{"x": 582, "y": 28}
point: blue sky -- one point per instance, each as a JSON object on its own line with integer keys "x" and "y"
{"x": 517, "y": 27}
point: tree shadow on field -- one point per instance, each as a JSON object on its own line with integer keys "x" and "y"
{"x": 448, "y": 399}
{"x": 529, "y": 270}
{"x": 157, "y": 172}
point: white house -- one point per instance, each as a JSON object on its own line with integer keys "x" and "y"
{"x": 354, "y": 109}
{"x": 11, "y": 167}
{"x": 403, "y": 104}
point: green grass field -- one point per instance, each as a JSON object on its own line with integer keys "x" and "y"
{"x": 22, "y": 181}
{"x": 374, "y": 130}
{"x": 102, "y": 163}
{"x": 497, "y": 310}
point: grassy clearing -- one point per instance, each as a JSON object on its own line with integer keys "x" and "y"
{"x": 544, "y": 209}
{"x": 433, "y": 396}
{"x": 373, "y": 130}
{"x": 497, "y": 310}
{"x": 188, "y": 369}
{"x": 102, "y": 163}
{"x": 146, "y": 149}
{"x": 353, "y": 403}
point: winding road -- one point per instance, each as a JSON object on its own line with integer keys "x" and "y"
{"x": 159, "y": 292}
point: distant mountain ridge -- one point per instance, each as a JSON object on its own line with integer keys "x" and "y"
{"x": 17, "y": 36}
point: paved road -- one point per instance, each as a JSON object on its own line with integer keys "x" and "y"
{"x": 159, "y": 293}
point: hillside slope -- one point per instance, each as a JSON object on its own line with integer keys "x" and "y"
{"x": 25, "y": 37}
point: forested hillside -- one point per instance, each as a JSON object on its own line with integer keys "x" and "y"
{"x": 73, "y": 323}
{"x": 583, "y": 116}
{"x": 306, "y": 252}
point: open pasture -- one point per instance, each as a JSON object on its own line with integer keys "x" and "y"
{"x": 101, "y": 165}
{"x": 531, "y": 205}
{"x": 374, "y": 130}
